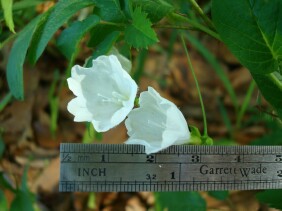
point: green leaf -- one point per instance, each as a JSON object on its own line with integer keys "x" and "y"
{"x": 98, "y": 34}
{"x": 271, "y": 138}
{"x": 3, "y": 201}
{"x": 270, "y": 86}
{"x": 139, "y": 34}
{"x": 104, "y": 47}
{"x": 271, "y": 197}
{"x": 252, "y": 31}
{"x": 127, "y": 7}
{"x": 156, "y": 9}
{"x": 179, "y": 201}
{"x": 50, "y": 23}
{"x": 22, "y": 201}
{"x": 70, "y": 37}
{"x": 220, "y": 195}
{"x": 7, "y": 6}
{"x": 109, "y": 10}
{"x": 17, "y": 58}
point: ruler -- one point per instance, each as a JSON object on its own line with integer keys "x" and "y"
{"x": 126, "y": 168}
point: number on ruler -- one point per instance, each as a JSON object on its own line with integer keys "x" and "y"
{"x": 279, "y": 173}
{"x": 195, "y": 158}
{"x": 103, "y": 158}
{"x": 151, "y": 176}
{"x": 238, "y": 159}
{"x": 172, "y": 175}
{"x": 278, "y": 158}
{"x": 150, "y": 158}
{"x": 66, "y": 157}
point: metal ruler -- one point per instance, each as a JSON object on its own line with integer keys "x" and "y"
{"x": 126, "y": 168}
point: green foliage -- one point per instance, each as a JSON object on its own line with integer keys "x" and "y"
{"x": 4, "y": 184}
{"x": 127, "y": 7}
{"x": 22, "y": 201}
{"x": 54, "y": 103}
{"x": 51, "y": 21}
{"x": 2, "y": 146}
{"x": 257, "y": 42}
{"x": 5, "y": 101}
{"x": 271, "y": 197}
{"x": 270, "y": 86}
{"x": 179, "y": 201}
{"x": 104, "y": 47}
{"x": 272, "y": 137}
{"x": 156, "y": 9}
{"x": 8, "y": 13}
{"x": 139, "y": 34}
{"x": 252, "y": 32}
{"x": 210, "y": 58}
{"x": 17, "y": 58}
{"x": 109, "y": 10}
{"x": 99, "y": 32}
{"x": 220, "y": 195}
{"x": 3, "y": 201}
{"x": 69, "y": 39}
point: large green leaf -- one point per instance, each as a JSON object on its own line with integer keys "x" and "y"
{"x": 70, "y": 37}
{"x": 179, "y": 201}
{"x": 17, "y": 58}
{"x": 271, "y": 197}
{"x": 50, "y": 23}
{"x": 270, "y": 86}
{"x": 252, "y": 30}
{"x": 220, "y": 195}
{"x": 8, "y": 14}
{"x": 139, "y": 34}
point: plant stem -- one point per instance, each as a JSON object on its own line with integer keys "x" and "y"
{"x": 202, "y": 14}
{"x": 112, "y": 23}
{"x": 196, "y": 25}
{"x": 197, "y": 86}
{"x": 174, "y": 27}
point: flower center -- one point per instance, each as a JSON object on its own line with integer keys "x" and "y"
{"x": 157, "y": 124}
{"x": 116, "y": 98}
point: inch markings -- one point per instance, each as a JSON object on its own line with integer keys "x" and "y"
{"x": 120, "y": 167}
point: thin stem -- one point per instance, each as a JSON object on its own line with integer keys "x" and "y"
{"x": 202, "y": 14}
{"x": 112, "y": 23}
{"x": 197, "y": 86}
{"x": 180, "y": 18}
{"x": 174, "y": 27}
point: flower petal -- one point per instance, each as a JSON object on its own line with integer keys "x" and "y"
{"x": 125, "y": 63}
{"x": 156, "y": 124}
{"x": 78, "y": 108}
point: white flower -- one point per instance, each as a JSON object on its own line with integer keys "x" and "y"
{"x": 105, "y": 93}
{"x": 125, "y": 62}
{"x": 157, "y": 123}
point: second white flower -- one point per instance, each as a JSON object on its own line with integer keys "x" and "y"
{"x": 156, "y": 124}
